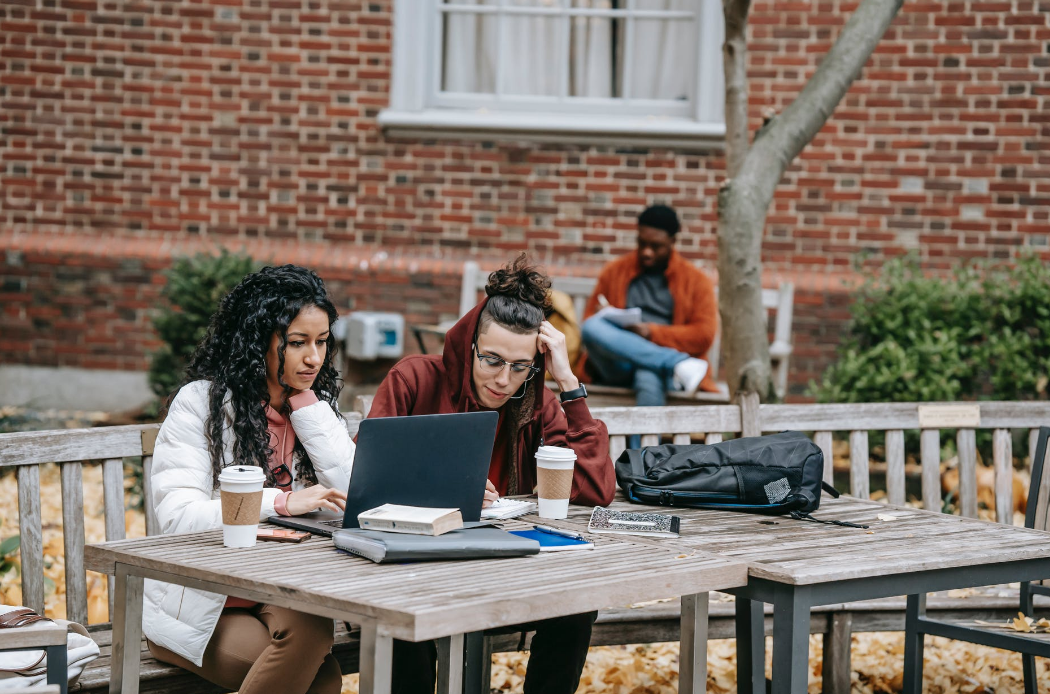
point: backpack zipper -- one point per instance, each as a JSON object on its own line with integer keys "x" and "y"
{"x": 667, "y": 498}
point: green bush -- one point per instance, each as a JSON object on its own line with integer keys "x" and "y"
{"x": 195, "y": 286}
{"x": 983, "y": 333}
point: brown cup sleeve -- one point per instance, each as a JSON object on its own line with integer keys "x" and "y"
{"x": 553, "y": 484}
{"x": 241, "y": 509}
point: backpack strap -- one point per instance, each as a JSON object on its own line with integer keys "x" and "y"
{"x": 799, "y": 515}
{"x": 830, "y": 490}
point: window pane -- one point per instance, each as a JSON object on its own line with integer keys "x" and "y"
{"x": 531, "y": 48}
{"x": 470, "y": 50}
{"x": 595, "y": 54}
{"x": 661, "y": 50}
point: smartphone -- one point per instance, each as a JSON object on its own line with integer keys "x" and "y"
{"x": 281, "y": 535}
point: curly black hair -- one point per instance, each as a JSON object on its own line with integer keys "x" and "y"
{"x": 519, "y": 297}
{"x": 232, "y": 356}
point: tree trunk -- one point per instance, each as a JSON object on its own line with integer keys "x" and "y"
{"x": 754, "y": 172}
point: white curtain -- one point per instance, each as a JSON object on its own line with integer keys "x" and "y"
{"x": 663, "y": 52}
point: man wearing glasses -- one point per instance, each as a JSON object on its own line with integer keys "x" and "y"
{"x": 494, "y": 359}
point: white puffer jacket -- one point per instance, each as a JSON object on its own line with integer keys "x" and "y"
{"x": 183, "y": 619}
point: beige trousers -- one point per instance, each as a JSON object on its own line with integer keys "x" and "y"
{"x": 266, "y": 649}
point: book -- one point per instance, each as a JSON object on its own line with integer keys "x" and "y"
{"x": 622, "y": 317}
{"x": 415, "y": 520}
{"x": 605, "y": 520}
{"x": 466, "y": 543}
{"x": 551, "y": 542}
{"x": 504, "y": 508}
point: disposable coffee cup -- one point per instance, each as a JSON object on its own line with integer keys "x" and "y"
{"x": 241, "y": 489}
{"x": 554, "y": 468}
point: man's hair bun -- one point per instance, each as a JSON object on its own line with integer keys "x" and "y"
{"x": 522, "y": 281}
{"x": 519, "y": 296}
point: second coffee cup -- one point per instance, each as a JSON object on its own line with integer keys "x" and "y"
{"x": 554, "y": 468}
{"x": 241, "y": 490}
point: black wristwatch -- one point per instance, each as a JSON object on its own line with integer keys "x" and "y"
{"x": 574, "y": 394}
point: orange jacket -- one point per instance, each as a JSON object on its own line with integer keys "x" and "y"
{"x": 695, "y": 320}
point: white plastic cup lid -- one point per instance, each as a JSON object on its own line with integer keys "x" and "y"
{"x": 556, "y": 453}
{"x": 244, "y": 474}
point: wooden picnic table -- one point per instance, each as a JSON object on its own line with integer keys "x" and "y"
{"x": 796, "y": 565}
{"x": 418, "y": 601}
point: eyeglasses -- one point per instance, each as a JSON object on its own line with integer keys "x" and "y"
{"x": 493, "y": 365}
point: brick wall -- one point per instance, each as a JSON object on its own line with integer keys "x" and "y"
{"x": 153, "y": 128}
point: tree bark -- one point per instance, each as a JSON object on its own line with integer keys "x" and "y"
{"x": 753, "y": 172}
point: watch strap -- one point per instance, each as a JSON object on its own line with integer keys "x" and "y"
{"x": 574, "y": 394}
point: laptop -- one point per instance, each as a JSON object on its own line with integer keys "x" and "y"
{"x": 437, "y": 460}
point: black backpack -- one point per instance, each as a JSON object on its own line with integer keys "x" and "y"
{"x": 775, "y": 474}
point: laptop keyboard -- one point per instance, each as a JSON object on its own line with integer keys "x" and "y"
{"x": 332, "y": 523}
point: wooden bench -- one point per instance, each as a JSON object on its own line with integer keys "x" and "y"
{"x": 72, "y": 449}
{"x": 779, "y": 302}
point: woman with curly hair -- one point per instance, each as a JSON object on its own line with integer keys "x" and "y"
{"x": 494, "y": 359}
{"x": 260, "y": 390}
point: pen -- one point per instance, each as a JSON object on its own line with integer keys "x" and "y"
{"x": 561, "y": 533}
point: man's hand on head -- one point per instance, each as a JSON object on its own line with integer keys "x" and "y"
{"x": 641, "y": 329}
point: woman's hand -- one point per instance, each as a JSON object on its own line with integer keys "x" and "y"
{"x": 491, "y": 495}
{"x": 552, "y": 343}
{"x": 315, "y": 497}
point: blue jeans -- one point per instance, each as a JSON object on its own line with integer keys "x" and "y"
{"x": 622, "y": 358}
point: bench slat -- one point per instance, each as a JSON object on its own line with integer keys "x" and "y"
{"x": 713, "y": 438}
{"x": 966, "y": 441}
{"x": 1003, "y": 460}
{"x": 895, "y": 481}
{"x": 682, "y": 439}
{"x": 113, "y": 507}
{"x": 152, "y": 523}
{"x": 669, "y": 420}
{"x": 824, "y": 442}
{"x": 73, "y": 541}
{"x": 72, "y": 444}
{"x": 32, "y": 547}
{"x": 617, "y": 445}
{"x": 650, "y": 440}
{"x": 930, "y": 453}
{"x": 858, "y": 464}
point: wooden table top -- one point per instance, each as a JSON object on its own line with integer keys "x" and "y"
{"x": 432, "y": 599}
{"x": 801, "y": 553}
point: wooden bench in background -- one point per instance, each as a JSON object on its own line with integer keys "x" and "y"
{"x": 72, "y": 449}
{"x": 779, "y": 302}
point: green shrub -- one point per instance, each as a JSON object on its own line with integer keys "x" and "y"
{"x": 983, "y": 333}
{"x": 195, "y": 286}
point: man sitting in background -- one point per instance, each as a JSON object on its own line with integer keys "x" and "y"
{"x": 662, "y": 348}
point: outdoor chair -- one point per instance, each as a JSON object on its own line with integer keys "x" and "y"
{"x": 1030, "y": 645}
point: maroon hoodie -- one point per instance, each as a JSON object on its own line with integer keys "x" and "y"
{"x": 432, "y": 384}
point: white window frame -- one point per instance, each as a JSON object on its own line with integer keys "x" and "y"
{"x": 419, "y": 109}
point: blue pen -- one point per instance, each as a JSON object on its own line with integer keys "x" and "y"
{"x": 561, "y": 533}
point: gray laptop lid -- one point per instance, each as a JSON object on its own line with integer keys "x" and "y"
{"x": 439, "y": 460}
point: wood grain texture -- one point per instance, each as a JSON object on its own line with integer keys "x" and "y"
{"x": 930, "y": 453}
{"x": 859, "y": 483}
{"x": 895, "y": 479}
{"x": 668, "y": 420}
{"x": 885, "y": 416}
{"x": 801, "y": 553}
{"x": 966, "y": 442}
{"x": 32, "y": 545}
{"x": 40, "y": 634}
{"x": 152, "y": 522}
{"x": 28, "y": 447}
{"x": 73, "y": 541}
{"x": 433, "y": 599}
{"x": 823, "y": 440}
{"x": 1003, "y": 461}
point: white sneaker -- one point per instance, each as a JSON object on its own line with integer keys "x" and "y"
{"x": 688, "y": 374}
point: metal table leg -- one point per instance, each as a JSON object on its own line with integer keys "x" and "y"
{"x": 913, "y": 643}
{"x": 790, "y": 639}
{"x": 58, "y": 667}
{"x": 127, "y": 633}
{"x": 450, "y": 664}
{"x": 377, "y": 656}
{"x": 750, "y": 646}
{"x": 692, "y": 658}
